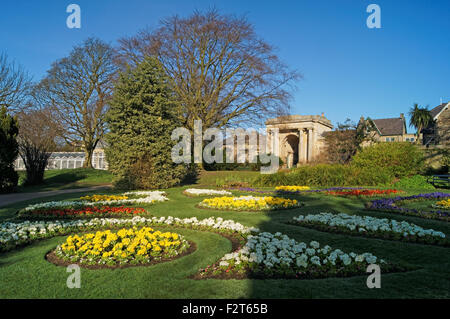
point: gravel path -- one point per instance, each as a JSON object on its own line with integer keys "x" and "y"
{"x": 8, "y": 199}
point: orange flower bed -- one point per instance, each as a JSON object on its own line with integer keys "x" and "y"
{"x": 364, "y": 192}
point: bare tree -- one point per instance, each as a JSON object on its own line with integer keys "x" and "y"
{"x": 347, "y": 139}
{"x": 37, "y": 135}
{"x": 14, "y": 85}
{"x": 220, "y": 70}
{"x": 77, "y": 89}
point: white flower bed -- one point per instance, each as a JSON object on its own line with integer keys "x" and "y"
{"x": 148, "y": 198}
{"x": 370, "y": 225}
{"x": 13, "y": 234}
{"x": 278, "y": 254}
{"x": 203, "y": 192}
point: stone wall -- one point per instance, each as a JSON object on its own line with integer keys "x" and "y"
{"x": 443, "y": 128}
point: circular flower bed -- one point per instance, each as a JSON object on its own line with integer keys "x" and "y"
{"x": 269, "y": 255}
{"x": 86, "y": 212}
{"x": 249, "y": 203}
{"x": 363, "y": 192}
{"x": 371, "y": 227}
{"x": 291, "y": 189}
{"x": 143, "y": 197}
{"x": 205, "y": 192}
{"x": 392, "y": 205}
{"x": 132, "y": 246}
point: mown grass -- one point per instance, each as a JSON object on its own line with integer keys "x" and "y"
{"x": 24, "y": 273}
{"x": 66, "y": 179}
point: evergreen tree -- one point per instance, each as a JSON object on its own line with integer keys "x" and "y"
{"x": 141, "y": 118}
{"x": 9, "y": 150}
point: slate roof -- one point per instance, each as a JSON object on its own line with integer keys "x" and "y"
{"x": 437, "y": 109}
{"x": 390, "y": 126}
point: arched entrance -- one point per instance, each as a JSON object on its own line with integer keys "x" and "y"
{"x": 290, "y": 150}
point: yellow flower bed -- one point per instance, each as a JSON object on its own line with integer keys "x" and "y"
{"x": 126, "y": 246}
{"x": 98, "y": 198}
{"x": 249, "y": 203}
{"x": 292, "y": 189}
{"x": 445, "y": 203}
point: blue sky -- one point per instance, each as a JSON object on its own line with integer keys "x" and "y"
{"x": 348, "y": 69}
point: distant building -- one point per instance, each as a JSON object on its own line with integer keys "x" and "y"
{"x": 390, "y": 130}
{"x": 438, "y": 132}
{"x": 300, "y": 137}
{"x": 69, "y": 160}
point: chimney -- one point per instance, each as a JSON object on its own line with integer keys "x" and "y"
{"x": 402, "y": 116}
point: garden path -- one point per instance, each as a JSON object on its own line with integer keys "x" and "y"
{"x": 8, "y": 199}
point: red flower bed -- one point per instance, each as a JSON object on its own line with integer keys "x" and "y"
{"x": 364, "y": 192}
{"x": 104, "y": 211}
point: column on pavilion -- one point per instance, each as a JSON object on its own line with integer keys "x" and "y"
{"x": 310, "y": 144}
{"x": 301, "y": 146}
{"x": 269, "y": 142}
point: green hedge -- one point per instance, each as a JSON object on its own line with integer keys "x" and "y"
{"x": 323, "y": 175}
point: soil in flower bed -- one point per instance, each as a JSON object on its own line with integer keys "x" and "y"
{"x": 54, "y": 259}
{"x": 399, "y": 237}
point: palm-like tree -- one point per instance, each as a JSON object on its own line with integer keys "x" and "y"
{"x": 420, "y": 118}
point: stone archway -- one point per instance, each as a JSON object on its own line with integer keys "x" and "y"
{"x": 290, "y": 150}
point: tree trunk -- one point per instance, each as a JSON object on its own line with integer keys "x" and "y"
{"x": 418, "y": 135}
{"x": 88, "y": 158}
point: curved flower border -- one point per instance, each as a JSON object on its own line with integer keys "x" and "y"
{"x": 367, "y": 226}
{"x": 149, "y": 197}
{"x": 390, "y": 205}
{"x": 84, "y": 212}
{"x": 267, "y": 255}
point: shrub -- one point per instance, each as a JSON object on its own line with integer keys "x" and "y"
{"x": 401, "y": 159}
{"x": 414, "y": 182}
{"x": 327, "y": 175}
{"x": 9, "y": 150}
{"x": 141, "y": 118}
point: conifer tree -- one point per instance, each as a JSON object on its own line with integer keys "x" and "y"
{"x": 141, "y": 118}
{"x": 9, "y": 150}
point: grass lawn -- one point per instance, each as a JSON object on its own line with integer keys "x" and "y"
{"x": 221, "y": 178}
{"x": 66, "y": 179}
{"x": 24, "y": 273}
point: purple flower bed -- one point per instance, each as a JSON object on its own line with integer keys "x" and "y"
{"x": 389, "y": 204}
